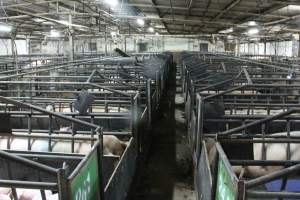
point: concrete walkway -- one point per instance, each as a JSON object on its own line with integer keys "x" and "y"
{"x": 166, "y": 173}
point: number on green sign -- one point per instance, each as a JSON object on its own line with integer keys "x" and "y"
{"x": 84, "y": 192}
{"x": 85, "y": 186}
{"x": 225, "y": 188}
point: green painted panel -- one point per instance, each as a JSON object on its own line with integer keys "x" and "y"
{"x": 85, "y": 186}
{"x": 225, "y": 186}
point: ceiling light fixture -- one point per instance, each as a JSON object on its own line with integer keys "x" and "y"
{"x": 151, "y": 29}
{"x": 5, "y": 28}
{"x": 252, "y": 23}
{"x": 113, "y": 34}
{"x": 54, "y": 33}
{"x": 112, "y": 3}
{"x": 253, "y": 31}
{"x": 229, "y": 30}
{"x": 140, "y": 22}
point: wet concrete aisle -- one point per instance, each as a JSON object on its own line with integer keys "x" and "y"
{"x": 166, "y": 173}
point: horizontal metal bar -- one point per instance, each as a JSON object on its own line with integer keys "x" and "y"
{"x": 224, "y": 92}
{"x": 264, "y": 162}
{"x": 28, "y": 185}
{"x": 54, "y": 157}
{"x": 272, "y": 176}
{"x": 4, "y": 99}
{"x": 267, "y": 119}
{"x": 54, "y": 137}
{"x": 45, "y": 153}
{"x": 268, "y": 195}
{"x": 28, "y": 162}
{"x": 109, "y": 115}
{"x": 247, "y": 141}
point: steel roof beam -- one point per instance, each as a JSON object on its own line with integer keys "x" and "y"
{"x": 159, "y": 15}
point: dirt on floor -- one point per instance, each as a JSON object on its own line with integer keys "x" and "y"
{"x": 166, "y": 172}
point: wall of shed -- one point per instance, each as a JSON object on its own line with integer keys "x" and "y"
{"x": 83, "y": 45}
{"x": 5, "y": 47}
{"x": 282, "y": 48}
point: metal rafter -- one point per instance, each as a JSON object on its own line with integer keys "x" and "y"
{"x": 160, "y": 16}
{"x": 198, "y": 9}
{"x": 227, "y": 8}
{"x": 175, "y": 15}
{"x": 171, "y": 4}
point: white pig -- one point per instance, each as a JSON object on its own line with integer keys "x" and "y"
{"x": 111, "y": 145}
{"x": 274, "y": 151}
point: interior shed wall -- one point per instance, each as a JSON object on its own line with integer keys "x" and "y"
{"x": 153, "y": 44}
{"x": 283, "y": 48}
{"x": 6, "y": 47}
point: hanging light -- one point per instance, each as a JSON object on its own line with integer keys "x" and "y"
{"x": 229, "y": 30}
{"x": 113, "y": 34}
{"x": 112, "y": 3}
{"x": 140, "y": 22}
{"x": 5, "y": 28}
{"x": 150, "y": 29}
{"x": 54, "y": 33}
{"x": 253, "y": 31}
{"x": 252, "y": 23}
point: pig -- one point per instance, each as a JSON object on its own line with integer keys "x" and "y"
{"x": 30, "y": 194}
{"x": 24, "y": 194}
{"x": 274, "y": 151}
{"x": 111, "y": 145}
{"x": 4, "y": 197}
{"x": 51, "y": 197}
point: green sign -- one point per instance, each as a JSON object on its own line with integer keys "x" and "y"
{"x": 225, "y": 187}
{"x": 85, "y": 186}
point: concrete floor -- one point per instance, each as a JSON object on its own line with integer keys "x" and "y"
{"x": 166, "y": 173}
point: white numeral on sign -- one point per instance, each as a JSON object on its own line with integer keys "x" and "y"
{"x": 83, "y": 193}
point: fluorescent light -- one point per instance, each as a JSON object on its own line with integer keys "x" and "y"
{"x": 296, "y": 36}
{"x": 293, "y": 7}
{"x": 252, "y": 23}
{"x": 48, "y": 23}
{"x": 112, "y": 3}
{"x": 113, "y": 34}
{"x": 151, "y": 29}
{"x": 158, "y": 26}
{"x": 140, "y": 22}
{"x": 54, "y": 33}
{"x": 229, "y": 30}
{"x": 5, "y": 28}
{"x": 38, "y": 20}
{"x": 253, "y": 31}
{"x": 254, "y": 39}
{"x": 156, "y": 33}
{"x": 64, "y": 22}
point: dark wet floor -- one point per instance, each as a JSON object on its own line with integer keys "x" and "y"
{"x": 166, "y": 173}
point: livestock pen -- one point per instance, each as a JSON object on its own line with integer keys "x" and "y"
{"x": 270, "y": 172}
{"x": 238, "y": 106}
{"x": 116, "y": 94}
{"x": 42, "y": 165}
{"x": 113, "y": 83}
{"x": 219, "y": 97}
{"x": 238, "y": 87}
